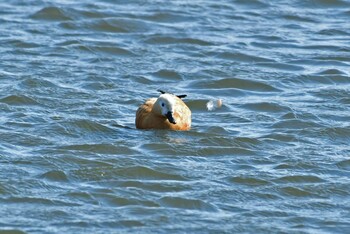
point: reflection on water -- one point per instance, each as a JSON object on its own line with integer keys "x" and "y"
{"x": 272, "y": 158}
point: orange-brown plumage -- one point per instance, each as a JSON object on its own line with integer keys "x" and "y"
{"x": 165, "y": 112}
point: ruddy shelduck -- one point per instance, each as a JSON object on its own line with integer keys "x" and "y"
{"x": 167, "y": 111}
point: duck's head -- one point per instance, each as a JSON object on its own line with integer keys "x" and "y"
{"x": 165, "y": 106}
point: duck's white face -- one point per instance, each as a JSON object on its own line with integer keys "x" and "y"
{"x": 166, "y": 104}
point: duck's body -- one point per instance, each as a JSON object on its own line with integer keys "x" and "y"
{"x": 165, "y": 112}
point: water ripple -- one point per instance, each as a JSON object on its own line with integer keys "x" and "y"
{"x": 99, "y": 148}
{"x": 183, "y": 203}
{"x": 273, "y": 158}
{"x": 18, "y": 100}
{"x": 236, "y": 83}
{"x": 55, "y": 176}
{"x": 52, "y": 14}
{"x": 159, "y": 39}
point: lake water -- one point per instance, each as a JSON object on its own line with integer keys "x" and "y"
{"x": 275, "y": 158}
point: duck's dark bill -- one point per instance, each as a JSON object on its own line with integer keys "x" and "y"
{"x": 170, "y": 117}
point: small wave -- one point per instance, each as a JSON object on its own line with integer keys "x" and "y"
{"x": 107, "y": 25}
{"x": 99, "y": 86}
{"x": 249, "y": 181}
{"x": 52, "y": 14}
{"x": 23, "y": 44}
{"x": 100, "y": 148}
{"x": 332, "y": 58}
{"x": 337, "y": 134}
{"x": 333, "y": 32}
{"x": 281, "y": 66}
{"x": 18, "y": 100}
{"x": 296, "y": 166}
{"x": 115, "y": 25}
{"x": 38, "y": 201}
{"x": 236, "y": 83}
{"x": 322, "y": 47}
{"x": 37, "y": 83}
{"x": 318, "y": 78}
{"x": 318, "y": 190}
{"x": 159, "y": 39}
{"x": 296, "y": 192}
{"x": 344, "y": 164}
{"x": 224, "y": 151}
{"x": 85, "y": 125}
{"x": 326, "y": 3}
{"x": 185, "y": 203}
{"x": 296, "y": 124}
{"x": 154, "y": 186}
{"x": 8, "y": 189}
{"x": 119, "y": 201}
{"x": 12, "y": 231}
{"x": 81, "y": 197}
{"x": 266, "y": 107}
{"x": 299, "y": 179}
{"x": 69, "y": 43}
{"x": 131, "y": 223}
{"x": 332, "y": 71}
{"x": 274, "y": 45}
{"x": 141, "y": 79}
{"x": 168, "y": 17}
{"x": 216, "y": 130}
{"x": 299, "y": 18}
{"x": 92, "y": 13}
{"x": 55, "y": 175}
{"x": 112, "y": 50}
{"x": 141, "y": 173}
{"x": 332, "y": 94}
{"x": 241, "y": 57}
{"x": 25, "y": 139}
{"x": 146, "y": 173}
{"x": 252, "y": 3}
{"x": 278, "y": 138}
{"x": 167, "y": 74}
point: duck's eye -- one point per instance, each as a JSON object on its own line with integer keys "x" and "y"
{"x": 163, "y": 104}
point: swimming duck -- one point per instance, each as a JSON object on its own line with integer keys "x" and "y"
{"x": 167, "y": 111}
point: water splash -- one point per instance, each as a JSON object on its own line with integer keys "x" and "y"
{"x": 214, "y": 104}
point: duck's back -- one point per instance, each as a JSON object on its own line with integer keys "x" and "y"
{"x": 144, "y": 112}
{"x": 182, "y": 116}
